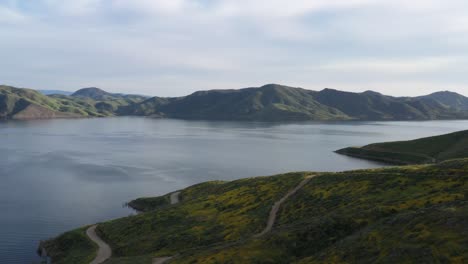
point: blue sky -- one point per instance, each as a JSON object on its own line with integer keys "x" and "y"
{"x": 174, "y": 47}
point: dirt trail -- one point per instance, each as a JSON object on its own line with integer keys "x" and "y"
{"x": 274, "y": 210}
{"x": 104, "y": 251}
{"x": 175, "y": 197}
{"x": 161, "y": 260}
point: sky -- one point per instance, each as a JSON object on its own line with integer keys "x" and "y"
{"x": 175, "y": 47}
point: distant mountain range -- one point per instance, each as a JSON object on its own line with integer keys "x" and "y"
{"x": 50, "y": 92}
{"x": 271, "y": 102}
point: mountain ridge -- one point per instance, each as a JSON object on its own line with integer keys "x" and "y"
{"x": 271, "y": 102}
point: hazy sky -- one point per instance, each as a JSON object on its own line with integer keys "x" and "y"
{"x": 174, "y": 47}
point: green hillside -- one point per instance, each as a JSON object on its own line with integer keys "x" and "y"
{"x": 270, "y": 102}
{"x": 20, "y": 103}
{"x": 267, "y": 103}
{"x": 375, "y": 106}
{"x": 425, "y": 150}
{"x": 282, "y": 103}
{"x": 390, "y": 215}
{"x": 449, "y": 99}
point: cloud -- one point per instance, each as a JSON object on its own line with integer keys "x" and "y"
{"x": 172, "y": 47}
{"x": 155, "y": 6}
{"x": 394, "y": 66}
{"x": 10, "y": 16}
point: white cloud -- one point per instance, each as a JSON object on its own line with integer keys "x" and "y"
{"x": 10, "y": 16}
{"x": 394, "y": 66}
{"x": 74, "y": 7}
{"x": 168, "y": 7}
{"x": 199, "y": 44}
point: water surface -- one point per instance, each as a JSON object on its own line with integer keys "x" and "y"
{"x": 60, "y": 174}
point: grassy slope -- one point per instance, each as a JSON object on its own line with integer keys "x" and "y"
{"x": 425, "y": 150}
{"x": 15, "y": 100}
{"x": 370, "y": 216}
{"x": 277, "y": 102}
{"x": 212, "y": 212}
{"x": 375, "y": 106}
{"x": 209, "y": 213}
{"x": 381, "y": 215}
{"x": 267, "y": 103}
{"x": 72, "y": 247}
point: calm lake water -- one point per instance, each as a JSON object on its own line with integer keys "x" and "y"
{"x": 61, "y": 174}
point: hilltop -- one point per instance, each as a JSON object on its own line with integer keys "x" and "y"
{"x": 274, "y": 102}
{"x": 389, "y": 215}
{"x": 20, "y": 103}
{"x": 425, "y": 150}
{"x": 270, "y": 102}
{"x": 267, "y": 103}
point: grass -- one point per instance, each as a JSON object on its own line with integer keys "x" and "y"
{"x": 369, "y": 216}
{"x": 209, "y": 213}
{"x": 419, "y": 151}
{"x": 71, "y": 247}
{"x": 390, "y": 215}
{"x": 14, "y": 100}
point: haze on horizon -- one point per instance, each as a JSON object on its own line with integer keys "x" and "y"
{"x": 175, "y": 47}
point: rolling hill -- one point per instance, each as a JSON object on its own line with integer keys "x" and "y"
{"x": 267, "y": 103}
{"x": 389, "y": 215}
{"x": 425, "y": 150}
{"x": 270, "y": 102}
{"x": 16, "y": 103}
{"x": 370, "y": 105}
{"x": 274, "y": 102}
{"x": 449, "y": 99}
{"x": 20, "y": 103}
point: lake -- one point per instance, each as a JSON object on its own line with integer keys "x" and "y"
{"x": 61, "y": 174}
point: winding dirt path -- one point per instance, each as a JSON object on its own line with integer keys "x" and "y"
{"x": 276, "y": 206}
{"x": 175, "y": 197}
{"x": 161, "y": 260}
{"x": 104, "y": 251}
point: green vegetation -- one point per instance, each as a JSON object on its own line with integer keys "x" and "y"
{"x": 268, "y": 103}
{"x": 271, "y": 102}
{"x": 149, "y": 204}
{"x": 71, "y": 247}
{"x": 16, "y": 103}
{"x": 394, "y": 215}
{"x": 282, "y": 103}
{"x": 419, "y": 151}
{"x": 389, "y": 215}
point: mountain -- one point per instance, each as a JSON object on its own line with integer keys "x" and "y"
{"x": 267, "y": 103}
{"x": 93, "y": 93}
{"x": 371, "y": 105}
{"x": 50, "y": 92}
{"x": 388, "y": 215}
{"x": 101, "y": 95}
{"x": 16, "y": 103}
{"x": 425, "y": 150}
{"x": 20, "y": 103}
{"x": 282, "y": 103}
{"x": 449, "y": 99}
{"x": 270, "y": 102}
